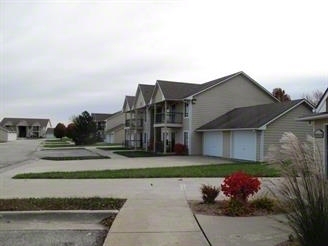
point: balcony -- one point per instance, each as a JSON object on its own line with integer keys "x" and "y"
{"x": 134, "y": 123}
{"x": 172, "y": 119}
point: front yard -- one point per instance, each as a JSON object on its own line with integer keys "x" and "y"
{"x": 201, "y": 171}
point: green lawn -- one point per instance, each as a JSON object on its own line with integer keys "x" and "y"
{"x": 112, "y": 148}
{"x": 137, "y": 153}
{"x": 31, "y": 204}
{"x": 222, "y": 170}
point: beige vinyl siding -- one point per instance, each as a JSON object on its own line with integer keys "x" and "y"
{"x": 114, "y": 121}
{"x": 258, "y": 145}
{"x": 126, "y": 107}
{"x": 158, "y": 96}
{"x": 320, "y": 142}
{"x": 226, "y": 144}
{"x": 288, "y": 123}
{"x": 237, "y": 92}
{"x": 140, "y": 102}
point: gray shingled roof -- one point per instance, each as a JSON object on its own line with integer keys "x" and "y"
{"x": 29, "y": 121}
{"x": 214, "y": 82}
{"x": 252, "y": 117}
{"x": 147, "y": 91}
{"x": 130, "y": 100}
{"x": 177, "y": 90}
{"x": 100, "y": 116}
{"x": 180, "y": 90}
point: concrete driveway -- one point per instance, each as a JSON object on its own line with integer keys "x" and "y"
{"x": 16, "y": 152}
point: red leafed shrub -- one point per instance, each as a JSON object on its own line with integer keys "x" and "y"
{"x": 239, "y": 186}
{"x": 180, "y": 149}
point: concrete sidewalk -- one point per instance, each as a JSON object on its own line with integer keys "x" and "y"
{"x": 42, "y": 228}
{"x": 155, "y": 222}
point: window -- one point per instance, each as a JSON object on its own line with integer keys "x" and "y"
{"x": 186, "y": 109}
{"x": 185, "y": 138}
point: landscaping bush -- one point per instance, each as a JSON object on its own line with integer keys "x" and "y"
{"x": 304, "y": 190}
{"x": 180, "y": 149}
{"x": 236, "y": 208}
{"x": 264, "y": 203}
{"x": 239, "y": 186}
{"x": 209, "y": 193}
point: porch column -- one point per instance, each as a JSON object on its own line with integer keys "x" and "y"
{"x": 135, "y": 128}
{"x": 165, "y": 127}
{"x": 130, "y": 135}
{"x": 154, "y": 140}
{"x": 125, "y": 130}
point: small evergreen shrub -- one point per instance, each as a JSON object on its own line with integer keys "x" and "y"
{"x": 264, "y": 203}
{"x": 239, "y": 186}
{"x": 209, "y": 193}
{"x": 237, "y": 208}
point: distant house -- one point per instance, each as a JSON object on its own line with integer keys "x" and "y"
{"x": 26, "y": 127}
{"x": 3, "y": 135}
{"x": 50, "y": 133}
{"x": 114, "y": 129}
{"x": 319, "y": 121}
{"x": 100, "y": 119}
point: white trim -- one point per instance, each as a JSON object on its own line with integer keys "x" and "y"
{"x": 314, "y": 117}
{"x": 322, "y": 101}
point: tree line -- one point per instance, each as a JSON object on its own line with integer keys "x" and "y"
{"x": 82, "y": 130}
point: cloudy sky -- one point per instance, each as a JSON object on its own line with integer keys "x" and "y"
{"x": 59, "y": 58}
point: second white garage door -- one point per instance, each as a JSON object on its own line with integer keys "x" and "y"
{"x": 212, "y": 143}
{"x": 244, "y": 145}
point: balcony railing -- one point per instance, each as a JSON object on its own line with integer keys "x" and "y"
{"x": 171, "y": 118}
{"x": 134, "y": 123}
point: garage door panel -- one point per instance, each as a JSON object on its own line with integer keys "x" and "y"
{"x": 212, "y": 144}
{"x": 244, "y": 145}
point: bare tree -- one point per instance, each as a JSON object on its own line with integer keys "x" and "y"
{"x": 281, "y": 95}
{"x": 314, "y": 96}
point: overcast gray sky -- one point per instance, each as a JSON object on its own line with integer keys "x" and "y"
{"x": 59, "y": 58}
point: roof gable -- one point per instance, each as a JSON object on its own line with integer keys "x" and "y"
{"x": 321, "y": 106}
{"x": 209, "y": 85}
{"x": 253, "y": 117}
{"x": 147, "y": 91}
{"x": 176, "y": 90}
{"x": 128, "y": 103}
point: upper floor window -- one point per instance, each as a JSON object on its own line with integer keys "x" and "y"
{"x": 186, "y": 109}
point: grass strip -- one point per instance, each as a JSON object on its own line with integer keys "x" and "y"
{"x": 109, "y": 148}
{"x": 202, "y": 171}
{"x": 57, "y": 145}
{"x": 135, "y": 154}
{"x": 73, "y": 158}
{"x": 33, "y": 204}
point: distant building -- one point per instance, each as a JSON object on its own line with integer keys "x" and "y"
{"x": 26, "y": 127}
{"x": 100, "y": 119}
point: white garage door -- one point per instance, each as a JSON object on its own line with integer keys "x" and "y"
{"x": 244, "y": 145}
{"x": 212, "y": 143}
